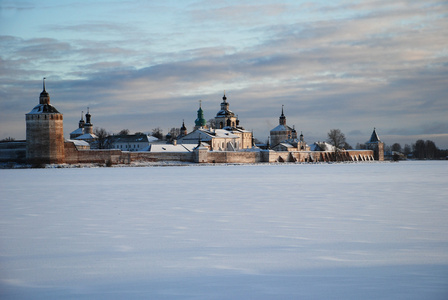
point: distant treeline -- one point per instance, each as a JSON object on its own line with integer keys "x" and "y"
{"x": 419, "y": 150}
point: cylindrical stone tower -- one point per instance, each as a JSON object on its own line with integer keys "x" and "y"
{"x": 44, "y": 132}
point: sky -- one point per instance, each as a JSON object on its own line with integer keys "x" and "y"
{"x": 139, "y": 65}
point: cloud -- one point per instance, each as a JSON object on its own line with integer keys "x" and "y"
{"x": 368, "y": 64}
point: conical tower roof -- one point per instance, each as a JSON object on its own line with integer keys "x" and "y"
{"x": 374, "y": 138}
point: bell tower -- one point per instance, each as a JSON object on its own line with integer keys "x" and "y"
{"x": 200, "y": 121}
{"x": 88, "y": 126}
{"x": 225, "y": 117}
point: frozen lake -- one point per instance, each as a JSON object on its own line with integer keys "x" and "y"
{"x": 324, "y": 231}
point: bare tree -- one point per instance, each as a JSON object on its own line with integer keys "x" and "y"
{"x": 430, "y": 149}
{"x": 360, "y": 146}
{"x": 173, "y": 133}
{"x": 8, "y": 139}
{"x": 158, "y": 133}
{"x": 419, "y": 149}
{"x": 347, "y": 146}
{"x": 124, "y": 132}
{"x": 396, "y": 147}
{"x": 407, "y": 149}
{"x": 336, "y": 138}
{"x": 102, "y": 138}
{"x": 211, "y": 123}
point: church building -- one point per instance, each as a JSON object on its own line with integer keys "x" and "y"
{"x": 282, "y": 132}
{"x": 84, "y": 131}
{"x": 80, "y": 130}
{"x": 227, "y": 135}
{"x": 225, "y": 117}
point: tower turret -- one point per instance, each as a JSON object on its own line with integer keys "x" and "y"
{"x": 200, "y": 121}
{"x": 88, "y": 126}
{"x": 183, "y": 129}
{"x": 44, "y": 132}
{"x": 44, "y": 97}
{"x": 376, "y": 145}
{"x": 282, "y": 119}
{"x": 294, "y": 132}
{"x": 225, "y": 117}
{"x": 224, "y": 103}
{"x": 81, "y": 122}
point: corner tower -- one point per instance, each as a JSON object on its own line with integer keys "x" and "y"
{"x": 376, "y": 145}
{"x": 44, "y": 132}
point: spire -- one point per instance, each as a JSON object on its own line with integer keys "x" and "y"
{"x": 374, "y": 138}
{"x": 224, "y": 98}
{"x": 282, "y": 119}
{"x": 81, "y": 122}
{"x": 44, "y": 97}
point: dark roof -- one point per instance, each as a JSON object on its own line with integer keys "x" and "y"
{"x": 225, "y": 112}
{"x": 374, "y": 138}
{"x": 131, "y": 138}
{"x": 44, "y": 109}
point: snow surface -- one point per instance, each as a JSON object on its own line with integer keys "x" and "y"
{"x": 293, "y": 231}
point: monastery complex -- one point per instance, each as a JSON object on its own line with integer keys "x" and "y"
{"x": 226, "y": 141}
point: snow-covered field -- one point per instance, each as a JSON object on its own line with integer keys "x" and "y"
{"x": 317, "y": 231}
